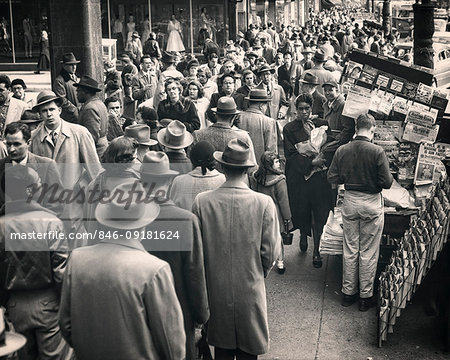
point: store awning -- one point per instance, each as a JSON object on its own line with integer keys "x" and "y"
{"x": 328, "y": 4}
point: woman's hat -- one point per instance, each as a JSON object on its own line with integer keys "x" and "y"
{"x": 226, "y": 106}
{"x": 168, "y": 57}
{"x": 135, "y": 34}
{"x": 310, "y": 79}
{"x": 156, "y": 163}
{"x": 141, "y": 133}
{"x": 69, "y": 59}
{"x": 175, "y": 136}
{"x": 88, "y": 82}
{"x": 259, "y": 95}
{"x": 265, "y": 68}
{"x": 124, "y": 211}
{"x": 236, "y": 154}
{"x": 202, "y": 153}
{"x": 45, "y": 97}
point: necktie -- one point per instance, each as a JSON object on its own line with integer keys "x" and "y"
{"x": 54, "y": 137}
{"x": 269, "y": 91}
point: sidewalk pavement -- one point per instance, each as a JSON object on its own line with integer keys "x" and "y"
{"x": 35, "y": 82}
{"x": 307, "y": 321}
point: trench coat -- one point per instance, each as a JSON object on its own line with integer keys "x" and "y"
{"x": 240, "y": 248}
{"x": 119, "y": 302}
{"x": 15, "y": 111}
{"x": 262, "y": 130}
{"x": 187, "y": 269}
{"x": 63, "y": 87}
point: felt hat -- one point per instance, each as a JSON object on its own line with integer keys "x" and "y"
{"x": 251, "y": 53}
{"x": 175, "y": 136}
{"x": 29, "y": 117}
{"x": 45, "y": 97}
{"x": 236, "y": 154}
{"x": 135, "y": 34}
{"x": 69, "y": 59}
{"x": 310, "y": 79}
{"x": 88, "y": 82}
{"x": 319, "y": 56}
{"x": 264, "y": 68}
{"x": 226, "y": 106}
{"x": 156, "y": 163}
{"x": 13, "y": 342}
{"x": 331, "y": 83}
{"x": 128, "y": 213}
{"x": 141, "y": 133}
{"x": 168, "y": 57}
{"x": 259, "y": 95}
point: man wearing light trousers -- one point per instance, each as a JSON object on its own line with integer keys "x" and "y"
{"x": 364, "y": 170}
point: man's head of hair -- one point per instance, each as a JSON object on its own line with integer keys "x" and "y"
{"x": 111, "y": 100}
{"x": 365, "y": 122}
{"x": 20, "y": 182}
{"x": 4, "y": 79}
{"x": 233, "y": 171}
{"x": 15, "y": 127}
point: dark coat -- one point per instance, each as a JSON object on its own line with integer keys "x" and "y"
{"x": 288, "y": 78}
{"x": 238, "y": 99}
{"x": 63, "y": 87}
{"x": 184, "y": 110}
{"x": 307, "y": 198}
{"x": 187, "y": 269}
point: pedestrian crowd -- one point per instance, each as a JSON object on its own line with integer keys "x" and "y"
{"x": 218, "y": 147}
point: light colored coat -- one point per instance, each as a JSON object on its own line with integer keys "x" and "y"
{"x": 278, "y": 102}
{"x": 139, "y": 82}
{"x": 122, "y": 307}
{"x": 241, "y": 241}
{"x": 262, "y": 130}
{"x": 74, "y": 145}
{"x": 15, "y": 111}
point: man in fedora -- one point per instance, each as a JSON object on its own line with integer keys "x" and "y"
{"x": 70, "y": 145}
{"x": 141, "y": 133}
{"x": 244, "y": 44}
{"x": 261, "y": 128}
{"x": 222, "y": 131}
{"x": 248, "y": 245}
{"x": 175, "y": 139}
{"x": 126, "y": 60}
{"x": 134, "y": 48}
{"x": 213, "y": 65}
{"x": 33, "y": 268}
{"x": 169, "y": 69}
{"x": 136, "y": 313}
{"x": 278, "y": 105}
{"x": 93, "y": 114}
{"x": 308, "y": 54}
{"x": 184, "y": 256}
{"x": 309, "y": 85}
{"x": 318, "y": 70}
{"x": 63, "y": 86}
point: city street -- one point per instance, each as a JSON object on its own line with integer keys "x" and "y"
{"x": 307, "y": 321}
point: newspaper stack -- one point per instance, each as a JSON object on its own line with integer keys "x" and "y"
{"x": 332, "y": 239}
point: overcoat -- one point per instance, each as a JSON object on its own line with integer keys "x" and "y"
{"x": 241, "y": 241}
{"x": 63, "y": 87}
{"x": 15, "y": 111}
{"x": 262, "y": 130}
{"x": 119, "y": 302}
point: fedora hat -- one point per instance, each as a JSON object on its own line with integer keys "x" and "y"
{"x": 331, "y": 83}
{"x": 141, "y": 133}
{"x": 252, "y": 53}
{"x": 226, "y": 106}
{"x": 319, "y": 55}
{"x": 29, "y": 117}
{"x": 264, "y": 68}
{"x": 88, "y": 82}
{"x": 45, "y": 97}
{"x": 13, "y": 342}
{"x": 156, "y": 163}
{"x": 236, "y": 154}
{"x": 135, "y": 34}
{"x": 126, "y": 214}
{"x": 175, "y": 136}
{"x": 69, "y": 59}
{"x": 168, "y": 57}
{"x": 259, "y": 95}
{"x": 310, "y": 79}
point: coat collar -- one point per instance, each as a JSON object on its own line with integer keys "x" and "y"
{"x": 235, "y": 184}
{"x": 131, "y": 243}
{"x": 65, "y": 129}
{"x": 21, "y": 206}
{"x": 254, "y": 111}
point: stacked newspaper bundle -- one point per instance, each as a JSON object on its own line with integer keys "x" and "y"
{"x": 332, "y": 235}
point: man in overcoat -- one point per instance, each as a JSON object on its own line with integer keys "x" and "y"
{"x": 118, "y": 301}
{"x": 261, "y": 128}
{"x": 63, "y": 86}
{"x": 248, "y": 245}
{"x": 185, "y": 256}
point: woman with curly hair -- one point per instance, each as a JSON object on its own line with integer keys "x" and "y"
{"x": 195, "y": 92}
{"x": 177, "y": 107}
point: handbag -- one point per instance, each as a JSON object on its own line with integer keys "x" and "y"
{"x": 286, "y": 235}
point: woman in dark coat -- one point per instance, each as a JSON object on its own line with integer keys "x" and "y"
{"x": 176, "y": 107}
{"x": 309, "y": 200}
{"x": 44, "y": 54}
